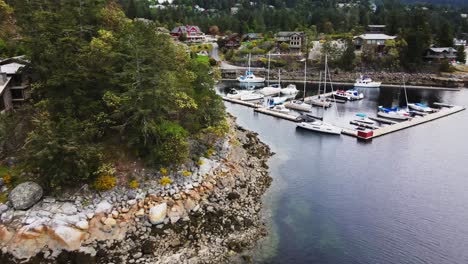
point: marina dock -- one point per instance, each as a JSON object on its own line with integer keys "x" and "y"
{"x": 374, "y": 131}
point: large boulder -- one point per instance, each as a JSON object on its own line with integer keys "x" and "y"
{"x": 157, "y": 214}
{"x": 25, "y": 195}
{"x": 103, "y": 207}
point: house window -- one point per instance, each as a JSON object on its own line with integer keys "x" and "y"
{"x": 17, "y": 94}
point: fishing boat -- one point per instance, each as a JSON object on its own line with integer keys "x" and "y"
{"x": 366, "y": 82}
{"x": 236, "y": 94}
{"x": 250, "y": 77}
{"x": 420, "y": 107}
{"x": 393, "y": 113}
{"x": 363, "y": 118}
{"x": 280, "y": 108}
{"x": 251, "y": 96}
{"x": 290, "y": 89}
{"x": 319, "y": 125}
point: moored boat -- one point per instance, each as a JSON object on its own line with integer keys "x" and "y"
{"x": 363, "y": 118}
{"x": 420, "y": 107}
{"x": 298, "y": 105}
{"x": 366, "y": 82}
{"x": 280, "y": 108}
{"x": 249, "y": 77}
{"x": 393, "y": 113}
{"x": 236, "y": 94}
{"x": 320, "y": 126}
{"x": 251, "y": 97}
{"x": 273, "y": 89}
{"x": 290, "y": 89}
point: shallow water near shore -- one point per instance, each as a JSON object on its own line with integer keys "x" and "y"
{"x": 400, "y": 198}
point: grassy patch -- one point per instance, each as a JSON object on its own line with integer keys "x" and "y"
{"x": 203, "y": 59}
{"x": 3, "y": 170}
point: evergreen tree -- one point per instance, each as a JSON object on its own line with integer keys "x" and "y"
{"x": 461, "y": 54}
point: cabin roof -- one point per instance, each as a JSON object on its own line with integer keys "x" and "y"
{"x": 11, "y": 68}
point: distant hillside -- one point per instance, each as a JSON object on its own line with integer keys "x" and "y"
{"x": 440, "y": 2}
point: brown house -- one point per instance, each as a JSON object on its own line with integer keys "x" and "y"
{"x": 232, "y": 41}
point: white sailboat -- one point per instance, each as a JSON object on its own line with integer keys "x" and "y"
{"x": 274, "y": 89}
{"x": 396, "y": 113}
{"x": 320, "y": 125}
{"x": 299, "y": 105}
{"x": 319, "y": 101}
{"x": 251, "y": 97}
{"x": 249, "y": 77}
{"x": 280, "y": 108}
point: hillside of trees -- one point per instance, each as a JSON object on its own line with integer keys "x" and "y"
{"x": 439, "y": 2}
{"x": 103, "y": 87}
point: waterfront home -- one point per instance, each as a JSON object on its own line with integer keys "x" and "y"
{"x": 252, "y": 36}
{"x": 437, "y": 54}
{"x": 293, "y": 38}
{"x": 192, "y": 33}
{"x": 232, "y": 41}
{"x": 374, "y": 39}
{"x": 14, "y": 86}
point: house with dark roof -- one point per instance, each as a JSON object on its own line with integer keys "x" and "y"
{"x": 437, "y": 54}
{"x": 232, "y": 41}
{"x": 14, "y": 85}
{"x": 192, "y": 33}
{"x": 293, "y": 38}
{"x": 252, "y": 36}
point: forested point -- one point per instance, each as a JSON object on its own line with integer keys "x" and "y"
{"x": 105, "y": 89}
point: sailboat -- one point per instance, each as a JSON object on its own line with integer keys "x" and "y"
{"x": 274, "y": 89}
{"x": 395, "y": 112}
{"x": 249, "y": 77}
{"x": 298, "y": 104}
{"x": 319, "y": 125}
{"x": 319, "y": 101}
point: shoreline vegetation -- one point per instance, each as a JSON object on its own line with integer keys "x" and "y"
{"x": 209, "y": 217}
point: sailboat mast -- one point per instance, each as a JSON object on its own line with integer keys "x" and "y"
{"x": 249, "y": 60}
{"x": 325, "y": 79}
{"x": 305, "y": 78}
{"x": 268, "y": 72}
{"x": 406, "y": 95}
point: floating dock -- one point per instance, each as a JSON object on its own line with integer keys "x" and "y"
{"x": 373, "y": 131}
{"x": 415, "y": 121}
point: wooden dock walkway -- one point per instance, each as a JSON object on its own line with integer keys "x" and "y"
{"x": 417, "y": 121}
{"x": 382, "y": 120}
{"x": 376, "y": 132}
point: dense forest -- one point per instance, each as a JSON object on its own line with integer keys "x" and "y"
{"x": 104, "y": 88}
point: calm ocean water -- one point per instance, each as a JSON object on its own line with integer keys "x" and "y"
{"x": 401, "y": 198}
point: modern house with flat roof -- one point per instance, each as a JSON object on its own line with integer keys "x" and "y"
{"x": 375, "y": 39}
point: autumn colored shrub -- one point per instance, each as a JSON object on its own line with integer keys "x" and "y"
{"x": 165, "y": 181}
{"x": 105, "y": 183}
{"x": 134, "y": 184}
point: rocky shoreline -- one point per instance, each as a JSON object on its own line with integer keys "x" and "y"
{"x": 209, "y": 217}
{"x": 394, "y": 78}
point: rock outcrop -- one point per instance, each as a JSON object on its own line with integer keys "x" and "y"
{"x": 25, "y": 195}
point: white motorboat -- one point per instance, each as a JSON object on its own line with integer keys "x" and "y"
{"x": 236, "y": 94}
{"x": 280, "y": 108}
{"x": 393, "y": 113}
{"x": 363, "y": 118}
{"x": 274, "y": 89}
{"x": 249, "y": 77}
{"x": 277, "y": 100}
{"x": 320, "y": 126}
{"x": 420, "y": 107}
{"x": 251, "y": 97}
{"x": 290, "y": 89}
{"x": 366, "y": 82}
{"x": 299, "y": 106}
{"x": 354, "y": 94}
